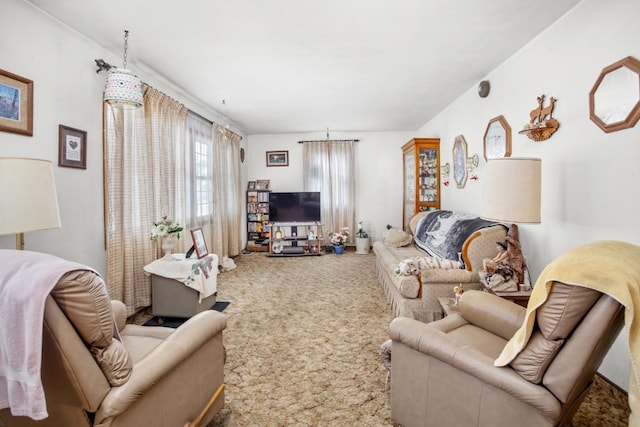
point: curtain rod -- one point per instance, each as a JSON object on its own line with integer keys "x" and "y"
{"x": 211, "y": 123}
{"x": 326, "y": 140}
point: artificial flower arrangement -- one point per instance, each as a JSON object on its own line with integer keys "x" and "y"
{"x": 165, "y": 227}
{"x": 340, "y": 238}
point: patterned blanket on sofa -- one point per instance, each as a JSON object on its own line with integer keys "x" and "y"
{"x": 442, "y": 233}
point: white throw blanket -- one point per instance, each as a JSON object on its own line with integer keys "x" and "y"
{"x": 26, "y": 278}
{"x": 198, "y": 274}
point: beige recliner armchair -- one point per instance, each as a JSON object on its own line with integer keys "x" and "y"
{"x": 150, "y": 376}
{"x": 443, "y": 373}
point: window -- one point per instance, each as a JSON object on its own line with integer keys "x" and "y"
{"x": 200, "y": 156}
{"x": 203, "y": 178}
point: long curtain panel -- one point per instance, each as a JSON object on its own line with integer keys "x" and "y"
{"x": 329, "y": 167}
{"x": 144, "y": 180}
{"x": 227, "y": 212}
{"x": 199, "y": 166}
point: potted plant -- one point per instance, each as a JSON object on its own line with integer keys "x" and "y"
{"x": 339, "y": 240}
{"x": 166, "y": 229}
{"x": 362, "y": 240}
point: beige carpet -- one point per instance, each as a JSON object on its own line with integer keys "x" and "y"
{"x": 303, "y": 343}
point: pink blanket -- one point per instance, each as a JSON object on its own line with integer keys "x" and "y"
{"x": 26, "y": 278}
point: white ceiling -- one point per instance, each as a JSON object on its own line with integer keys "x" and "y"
{"x": 299, "y": 65}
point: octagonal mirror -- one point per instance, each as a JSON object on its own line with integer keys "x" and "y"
{"x": 614, "y": 101}
{"x": 497, "y": 139}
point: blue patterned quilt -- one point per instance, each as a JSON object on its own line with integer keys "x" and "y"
{"x": 442, "y": 233}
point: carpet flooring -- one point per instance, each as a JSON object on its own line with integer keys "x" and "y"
{"x": 303, "y": 340}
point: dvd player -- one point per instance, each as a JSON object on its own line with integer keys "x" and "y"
{"x": 293, "y": 250}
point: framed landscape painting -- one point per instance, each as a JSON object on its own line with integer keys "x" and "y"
{"x": 277, "y": 158}
{"x": 16, "y": 104}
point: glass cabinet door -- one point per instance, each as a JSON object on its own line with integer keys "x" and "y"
{"x": 409, "y": 186}
{"x": 421, "y": 175}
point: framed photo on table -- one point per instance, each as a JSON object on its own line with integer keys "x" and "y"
{"x": 72, "y": 147}
{"x": 16, "y": 104}
{"x": 199, "y": 244}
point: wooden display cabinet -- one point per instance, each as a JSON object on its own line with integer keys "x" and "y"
{"x": 421, "y": 177}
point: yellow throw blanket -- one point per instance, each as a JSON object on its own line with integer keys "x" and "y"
{"x": 610, "y": 267}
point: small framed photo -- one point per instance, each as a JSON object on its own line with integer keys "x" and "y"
{"x": 277, "y": 158}
{"x": 262, "y": 184}
{"x": 252, "y": 185}
{"x": 16, "y": 104}
{"x": 199, "y": 243}
{"x": 72, "y": 148}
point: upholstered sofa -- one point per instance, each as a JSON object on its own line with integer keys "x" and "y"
{"x": 453, "y": 236}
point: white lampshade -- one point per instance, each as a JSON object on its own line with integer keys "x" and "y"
{"x": 512, "y": 190}
{"x": 28, "y": 199}
{"x": 123, "y": 89}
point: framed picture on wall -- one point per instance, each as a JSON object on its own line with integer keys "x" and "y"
{"x": 72, "y": 147}
{"x": 16, "y": 104}
{"x": 277, "y": 158}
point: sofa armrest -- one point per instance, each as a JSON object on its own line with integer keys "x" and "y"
{"x": 453, "y": 276}
{"x": 490, "y": 312}
{"x": 175, "y": 349}
{"x": 433, "y": 342}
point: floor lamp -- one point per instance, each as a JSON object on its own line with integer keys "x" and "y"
{"x": 28, "y": 200}
{"x": 512, "y": 193}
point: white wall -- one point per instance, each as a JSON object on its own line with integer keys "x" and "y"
{"x": 378, "y": 169}
{"x": 67, "y": 91}
{"x": 590, "y": 178}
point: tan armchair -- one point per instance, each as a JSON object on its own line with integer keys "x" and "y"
{"x": 443, "y": 373}
{"x": 151, "y": 376}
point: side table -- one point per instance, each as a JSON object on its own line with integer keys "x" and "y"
{"x": 448, "y": 305}
{"x": 182, "y": 288}
{"x": 519, "y": 297}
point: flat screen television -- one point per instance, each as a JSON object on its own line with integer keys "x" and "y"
{"x": 301, "y": 206}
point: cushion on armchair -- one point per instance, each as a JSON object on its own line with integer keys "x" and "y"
{"x": 555, "y": 319}
{"x": 82, "y": 297}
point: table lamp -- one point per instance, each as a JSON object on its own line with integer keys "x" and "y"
{"x": 512, "y": 190}
{"x": 512, "y": 193}
{"x": 28, "y": 200}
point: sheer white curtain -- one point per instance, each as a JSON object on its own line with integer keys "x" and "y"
{"x": 199, "y": 164}
{"x": 329, "y": 167}
{"x": 227, "y": 201}
{"x": 143, "y": 180}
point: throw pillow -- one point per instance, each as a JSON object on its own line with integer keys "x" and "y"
{"x": 397, "y": 238}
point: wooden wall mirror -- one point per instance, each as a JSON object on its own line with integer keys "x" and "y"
{"x": 614, "y": 101}
{"x": 497, "y": 139}
{"x": 460, "y": 161}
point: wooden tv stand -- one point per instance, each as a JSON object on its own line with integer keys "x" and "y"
{"x": 294, "y": 239}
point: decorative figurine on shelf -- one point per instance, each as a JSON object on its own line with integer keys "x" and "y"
{"x": 541, "y": 124}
